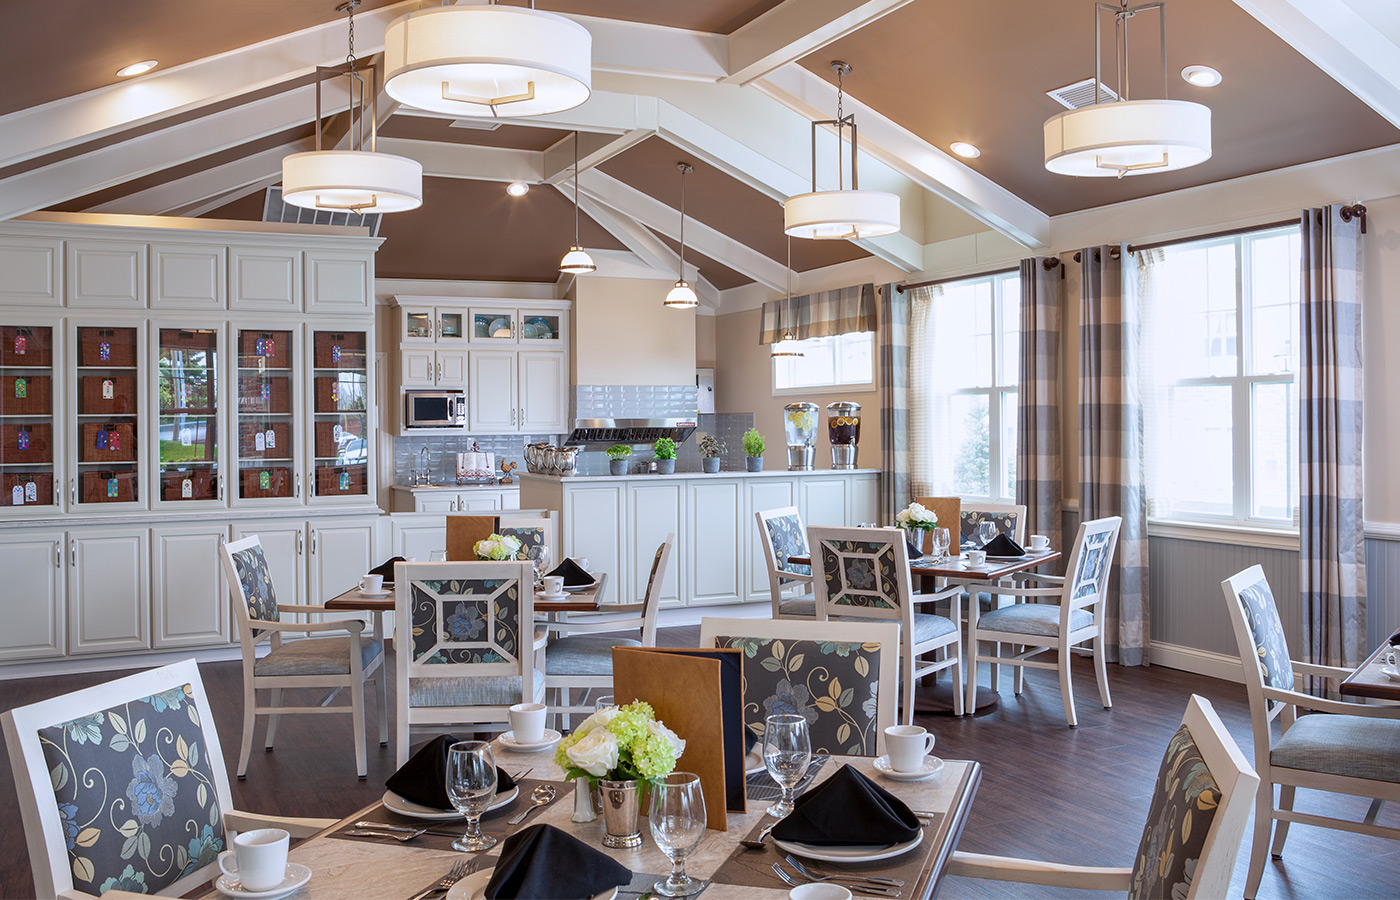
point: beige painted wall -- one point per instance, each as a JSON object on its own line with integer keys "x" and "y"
{"x": 1381, "y": 264}
{"x": 623, "y": 335}
{"x": 705, "y": 341}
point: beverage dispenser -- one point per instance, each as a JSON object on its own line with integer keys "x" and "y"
{"x": 843, "y": 429}
{"x": 800, "y": 425}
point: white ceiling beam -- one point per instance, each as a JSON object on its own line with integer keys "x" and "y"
{"x": 795, "y": 28}
{"x": 637, "y": 48}
{"x": 209, "y": 204}
{"x": 182, "y": 193}
{"x": 594, "y": 150}
{"x": 469, "y": 160}
{"x": 646, "y": 247}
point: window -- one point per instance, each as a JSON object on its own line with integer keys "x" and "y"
{"x": 1220, "y": 403}
{"x": 842, "y": 360}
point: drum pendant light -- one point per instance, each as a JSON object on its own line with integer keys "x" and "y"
{"x": 1127, "y": 137}
{"x": 359, "y": 180}
{"x": 789, "y": 346}
{"x": 682, "y": 296}
{"x": 840, "y": 214}
{"x": 488, "y": 60}
{"x": 576, "y": 261}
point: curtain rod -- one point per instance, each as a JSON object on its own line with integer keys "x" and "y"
{"x": 1229, "y": 232}
{"x": 918, "y": 284}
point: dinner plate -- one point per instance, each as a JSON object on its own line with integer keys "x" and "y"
{"x": 576, "y": 588}
{"x": 473, "y": 887}
{"x": 296, "y": 876}
{"x": 551, "y": 738}
{"x": 848, "y": 854}
{"x": 931, "y": 766}
{"x": 753, "y": 762}
{"x": 396, "y": 804}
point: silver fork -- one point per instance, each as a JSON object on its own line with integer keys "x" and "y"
{"x": 805, "y": 872}
{"x": 854, "y": 887}
{"x": 460, "y": 869}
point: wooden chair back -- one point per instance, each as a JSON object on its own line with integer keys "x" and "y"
{"x": 949, "y": 513}
{"x": 462, "y": 534}
{"x": 862, "y": 572}
{"x": 782, "y": 534}
{"x": 251, "y": 592}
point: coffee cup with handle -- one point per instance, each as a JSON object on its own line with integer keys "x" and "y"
{"x": 259, "y": 858}
{"x": 372, "y": 584}
{"x": 527, "y": 722}
{"x": 977, "y": 558}
{"x": 1040, "y": 543}
{"x": 553, "y": 585}
{"x": 907, "y": 746}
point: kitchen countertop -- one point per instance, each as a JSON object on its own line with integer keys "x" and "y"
{"x": 766, "y": 473}
{"x": 427, "y": 488}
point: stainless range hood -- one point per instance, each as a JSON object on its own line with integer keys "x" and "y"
{"x": 601, "y": 433}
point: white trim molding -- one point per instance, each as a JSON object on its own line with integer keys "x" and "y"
{"x": 1239, "y": 535}
{"x": 1199, "y": 662}
{"x": 1382, "y": 531}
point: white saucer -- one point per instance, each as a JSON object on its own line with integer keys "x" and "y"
{"x": 374, "y": 595}
{"x": 541, "y": 595}
{"x": 847, "y": 854}
{"x": 473, "y": 887}
{"x": 931, "y": 767}
{"x": 396, "y": 804}
{"x": 1391, "y": 672}
{"x": 753, "y": 762}
{"x": 551, "y": 737}
{"x": 297, "y": 875}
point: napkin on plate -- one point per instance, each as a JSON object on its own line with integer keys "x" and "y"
{"x": 423, "y": 779}
{"x": 387, "y": 569}
{"x": 848, "y": 809}
{"x": 544, "y": 863}
{"x": 1001, "y": 545}
{"x": 574, "y": 574}
{"x": 914, "y": 551}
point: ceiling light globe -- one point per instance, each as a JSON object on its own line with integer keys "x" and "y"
{"x": 1129, "y": 137}
{"x": 786, "y": 348}
{"x": 837, "y": 215}
{"x": 576, "y": 262}
{"x": 964, "y": 149}
{"x": 353, "y": 180}
{"x": 1202, "y": 76}
{"x": 682, "y": 297}
{"x": 518, "y": 189}
{"x": 140, "y": 68}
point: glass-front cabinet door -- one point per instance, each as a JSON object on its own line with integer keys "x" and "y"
{"x": 187, "y": 416}
{"x": 541, "y": 328}
{"x": 340, "y": 413}
{"x": 108, "y": 416}
{"x": 493, "y": 325}
{"x": 27, "y": 429}
{"x": 265, "y": 436}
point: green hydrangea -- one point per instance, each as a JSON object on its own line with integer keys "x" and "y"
{"x": 647, "y": 749}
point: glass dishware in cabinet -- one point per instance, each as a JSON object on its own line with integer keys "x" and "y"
{"x": 187, "y": 416}
{"x": 429, "y": 324}
{"x": 541, "y": 328}
{"x": 109, "y": 409}
{"x": 265, "y": 434}
{"x": 340, "y": 414}
{"x": 28, "y": 437}
{"x": 493, "y": 325}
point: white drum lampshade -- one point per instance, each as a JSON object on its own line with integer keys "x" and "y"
{"x": 835, "y": 215}
{"x": 1128, "y": 137}
{"x": 356, "y": 180}
{"x": 492, "y": 61}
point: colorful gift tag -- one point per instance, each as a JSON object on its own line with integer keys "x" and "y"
{"x": 17, "y": 496}
{"x": 104, "y": 352}
{"x": 336, "y": 433}
{"x": 114, "y": 440}
{"x": 31, "y": 492}
{"x": 345, "y": 481}
{"x": 102, "y": 440}
{"x": 335, "y": 354}
{"x": 270, "y": 439}
{"x": 21, "y": 388}
{"x": 20, "y": 345}
{"x": 23, "y": 438}
{"x": 111, "y": 487}
{"x": 261, "y": 347}
{"x": 259, "y": 444}
{"x": 267, "y": 391}
{"x": 265, "y": 479}
{"x": 270, "y": 346}
{"x": 109, "y": 390}
{"x": 186, "y": 489}
{"x": 335, "y": 395}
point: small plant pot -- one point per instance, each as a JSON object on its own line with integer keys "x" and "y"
{"x": 710, "y": 465}
{"x": 665, "y": 467}
{"x": 753, "y": 463}
{"x": 617, "y": 466}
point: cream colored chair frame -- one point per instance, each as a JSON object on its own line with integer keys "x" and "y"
{"x": 1238, "y": 784}
{"x": 252, "y": 632}
{"x": 43, "y": 828}
{"x": 1269, "y": 703}
{"x": 782, "y": 584}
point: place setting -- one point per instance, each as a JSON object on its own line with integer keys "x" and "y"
{"x": 256, "y": 866}
{"x": 372, "y": 588}
{"x": 528, "y": 733}
{"x": 910, "y": 756}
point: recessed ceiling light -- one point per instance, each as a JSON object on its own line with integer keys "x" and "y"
{"x": 140, "y": 68}
{"x": 518, "y": 189}
{"x": 1201, "y": 76}
{"x": 964, "y": 149}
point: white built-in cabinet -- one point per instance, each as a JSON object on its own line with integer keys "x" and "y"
{"x": 189, "y": 601}
{"x": 407, "y": 498}
{"x": 492, "y": 392}
{"x": 33, "y": 270}
{"x": 424, "y": 367}
{"x": 715, "y": 514}
{"x": 542, "y": 392}
{"x": 655, "y": 510}
{"x": 35, "y": 591}
{"x": 109, "y": 593}
{"x": 341, "y": 551}
{"x": 188, "y": 276}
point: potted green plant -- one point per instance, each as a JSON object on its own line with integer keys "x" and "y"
{"x": 711, "y": 449}
{"x": 617, "y": 458}
{"x": 665, "y": 451}
{"x": 754, "y": 446}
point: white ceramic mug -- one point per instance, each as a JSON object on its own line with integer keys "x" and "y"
{"x": 527, "y": 722}
{"x": 553, "y": 585}
{"x": 259, "y": 858}
{"x": 1391, "y": 657}
{"x": 819, "y": 892}
{"x": 371, "y": 584}
{"x": 1039, "y": 542}
{"x": 582, "y": 563}
{"x": 907, "y": 746}
{"x": 977, "y": 557}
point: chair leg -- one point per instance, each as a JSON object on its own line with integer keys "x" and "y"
{"x": 1018, "y": 676}
{"x": 996, "y": 669}
{"x": 1285, "y": 801}
{"x": 1374, "y": 812}
{"x": 971, "y": 677}
{"x": 273, "y": 719}
{"x": 1067, "y": 689}
{"x": 1101, "y": 670}
{"x": 1263, "y": 819}
{"x": 907, "y": 717}
{"x": 357, "y": 715}
{"x": 250, "y": 703}
{"x": 382, "y": 691}
{"x": 959, "y": 707}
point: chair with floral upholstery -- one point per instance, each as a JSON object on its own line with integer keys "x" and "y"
{"x": 327, "y": 662}
{"x": 1356, "y": 752}
{"x": 783, "y": 536}
{"x": 840, "y": 677}
{"x": 863, "y": 574}
{"x": 466, "y": 646}
{"x": 1009, "y": 518}
{"x": 122, "y": 788}
{"x": 1200, "y": 804}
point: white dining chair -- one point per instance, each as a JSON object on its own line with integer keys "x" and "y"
{"x": 783, "y": 536}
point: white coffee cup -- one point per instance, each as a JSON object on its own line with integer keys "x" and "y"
{"x": 819, "y": 892}
{"x": 1039, "y": 542}
{"x": 976, "y": 557}
{"x": 259, "y": 858}
{"x": 371, "y": 584}
{"x": 553, "y": 585}
{"x": 527, "y": 722}
{"x": 907, "y": 746}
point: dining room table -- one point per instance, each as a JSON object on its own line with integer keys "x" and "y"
{"x": 1368, "y": 681}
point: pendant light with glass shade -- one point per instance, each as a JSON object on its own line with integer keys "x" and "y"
{"x": 488, "y": 60}
{"x": 576, "y": 261}
{"x": 789, "y": 347}
{"x": 682, "y": 296}
{"x": 358, "y": 180}
{"x": 1127, "y": 137}
{"x": 840, "y": 214}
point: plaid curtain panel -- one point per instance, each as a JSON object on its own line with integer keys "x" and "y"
{"x": 1111, "y": 461}
{"x": 893, "y": 374}
{"x": 1038, "y": 484}
{"x": 843, "y": 311}
{"x": 1333, "y": 557}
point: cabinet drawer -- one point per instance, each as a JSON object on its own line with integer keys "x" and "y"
{"x": 27, "y": 443}
{"x": 26, "y": 395}
{"x": 107, "y": 442}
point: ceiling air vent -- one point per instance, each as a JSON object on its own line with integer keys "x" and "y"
{"x": 1081, "y": 94}
{"x": 274, "y": 210}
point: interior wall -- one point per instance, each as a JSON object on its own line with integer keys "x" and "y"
{"x": 622, "y": 334}
{"x": 705, "y": 341}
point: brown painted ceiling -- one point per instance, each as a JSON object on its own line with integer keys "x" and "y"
{"x": 722, "y": 202}
{"x": 978, "y": 72}
{"x": 511, "y": 137}
{"x": 717, "y": 274}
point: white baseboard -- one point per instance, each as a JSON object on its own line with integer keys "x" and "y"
{"x": 1201, "y": 662}
{"x": 691, "y": 615}
{"x": 71, "y": 665}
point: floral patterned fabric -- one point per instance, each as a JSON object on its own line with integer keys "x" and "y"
{"x": 466, "y": 621}
{"x": 788, "y": 539}
{"x": 532, "y": 544}
{"x": 1269, "y": 644}
{"x": 256, "y": 579}
{"x": 1183, "y": 807}
{"x": 834, "y": 685}
{"x": 1093, "y": 563}
{"x": 972, "y": 519}
{"x": 135, "y": 794}
{"x": 860, "y": 574}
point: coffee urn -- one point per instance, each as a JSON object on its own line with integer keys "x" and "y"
{"x": 800, "y": 426}
{"x": 843, "y": 429}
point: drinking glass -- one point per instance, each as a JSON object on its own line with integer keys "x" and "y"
{"x": 677, "y": 825}
{"x": 471, "y": 785}
{"x": 787, "y": 751}
{"x": 942, "y": 540}
{"x": 604, "y": 702}
{"x": 437, "y": 556}
{"x": 986, "y": 532}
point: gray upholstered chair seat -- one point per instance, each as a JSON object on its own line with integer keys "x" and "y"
{"x": 1040, "y": 619}
{"x": 798, "y": 607}
{"x": 583, "y": 654}
{"x": 315, "y": 656}
{"x": 476, "y": 690}
{"x": 926, "y": 625}
{"x": 1352, "y": 746}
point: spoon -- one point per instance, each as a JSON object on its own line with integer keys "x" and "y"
{"x": 400, "y": 835}
{"x": 541, "y": 796}
{"x": 762, "y": 836}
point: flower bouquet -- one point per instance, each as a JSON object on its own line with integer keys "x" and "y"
{"x": 916, "y": 520}
{"x": 497, "y": 547}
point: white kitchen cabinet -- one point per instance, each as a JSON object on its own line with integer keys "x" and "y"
{"x": 339, "y": 281}
{"x": 714, "y": 512}
{"x": 654, "y": 510}
{"x": 417, "y": 536}
{"x": 436, "y": 503}
{"x": 284, "y": 547}
{"x": 33, "y": 270}
{"x": 109, "y": 604}
{"x": 33, "y": 563}
{"x": 823, "y": 502}
{"x": 762, "y": 494}
{"x": 188, "y": 276}
{"x": 342, "y": 550}
{"x": 107, "y": 274}
{"x": 491, "y": 388}
{"x": 407, "y": 498}
{"x": 543, "y": 392}
{"x": 594, "y": 523}
{"x": 190, "y": 603}
{"x": 423, "y": 367}
{"x": 864, "y": 499}
{"x": 424, "y": 323}
{"x": 485, "y": 501}
{"x": 265, "y": 278}
{"x": 518, "y": 392}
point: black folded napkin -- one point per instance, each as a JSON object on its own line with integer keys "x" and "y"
{"x": 574, "y": 574}
{"x": 387, "y": 569}
{"x": 1001, "y": 545}
{"x": 423, "y": 779}
{"x": 543, "y": 863}
{"x": 915, "y": 552}
{"x": 848, "y": 809}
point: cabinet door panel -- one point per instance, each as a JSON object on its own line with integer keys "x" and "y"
{"x": 594, "y": 524}
{"x": 439, "y": 503}
{"x": 188, "y": 276}
{"x": 33, "y": 271}
{"x": 544, "y": 406}
{"x": 452, "y": 368}
{"x": 492, "y": 401}
{"x": 823, "y": 501}
{"x": 264, "y": 278}
{"x": 416, "y": 367}
{"x": 338, "y": 282}
{"x": 655, "y": 510}
{"x": 713, "y": 510}
{"x": 510, "y": 499}
{"x": 475, "y": 501}
{"x": 107, "y": 274}
{"x": 341, "y": 551}
{"x": 417, "y": 539}
{"x": 763, "y": 494}
{"x": 34, "y": 587}
{"x": 109, "y": 599}
{"x": 191, "y": 604}
{"x": 864, "y": 503}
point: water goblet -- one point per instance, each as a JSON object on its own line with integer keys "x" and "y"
{"x": 787, "y": 751}
{"x": 942, "y": 540}
{"x": 604, "y": 702}
{"x": 437, "y": 556}
{"x": 986, "y": 532}
{"x": 677, "y": 825}
{"x": 471, "y": 785}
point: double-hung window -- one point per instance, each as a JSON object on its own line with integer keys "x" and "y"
{"x": 841, "y": 361}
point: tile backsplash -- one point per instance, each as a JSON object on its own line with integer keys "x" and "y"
{"x": 634, "y": 401}
{"x": 443, "y": 450}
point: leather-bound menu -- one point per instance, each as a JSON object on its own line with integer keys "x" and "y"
{"x": 949, "y": 512}
{"x": 463, "y": 532}
{"x": 698, "y": 694}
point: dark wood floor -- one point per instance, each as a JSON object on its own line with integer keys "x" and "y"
{"x": 1074, "y": 795}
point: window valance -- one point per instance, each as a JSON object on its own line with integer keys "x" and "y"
{"x": 822, "y": 314}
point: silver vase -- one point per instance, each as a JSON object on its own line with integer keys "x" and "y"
{"x": 620, "y": 814}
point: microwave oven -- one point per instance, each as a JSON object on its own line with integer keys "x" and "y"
{"x": 436, "y": 409}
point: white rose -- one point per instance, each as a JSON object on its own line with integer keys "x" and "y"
{"x": 596, "y": 754}
{"x": 669, "y": 736}
{"x": 596, "y": 722}
{"x": 511, "y": 542}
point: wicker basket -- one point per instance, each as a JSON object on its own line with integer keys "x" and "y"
{"x": 38, "y": 346}
{"x": 330, "y": 483}
{"x": 351, "y": 345}
{"x": 90, "y": 451}
{"x": 37, "y": 443}
{"x": 94, "y": 487}
{"x": 279, "y": 482}
{"x": 92, "y": 399}
{"x": 203, "y": 485}
{"x": 121, "y": 343}
{"x": 37, "y": 399}
{"x": 250, "y": 395}
{"x": 279, "y": 358}
{"x": 248, "y": 440}
{"x": 43, "y": 488}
